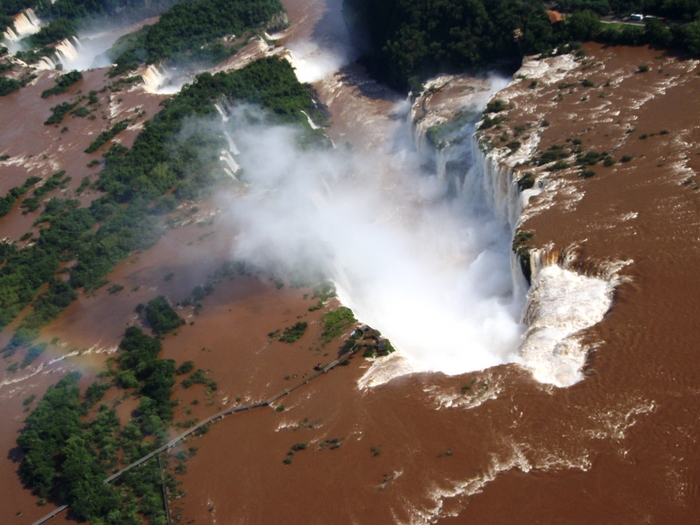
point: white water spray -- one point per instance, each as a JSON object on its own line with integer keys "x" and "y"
{"x": 26, "y": 23}
{"x": 161, "y": 81}
{"x": 431, "y": 272}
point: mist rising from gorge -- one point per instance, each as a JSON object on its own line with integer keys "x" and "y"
{"x": 430, "y": 271}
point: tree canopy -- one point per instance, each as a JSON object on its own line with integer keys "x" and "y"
{"x": 411, "y": 40}
{"x": 192, "y": 31}
{"x": 136, "y": 183}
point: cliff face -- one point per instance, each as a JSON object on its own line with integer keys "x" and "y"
{"x": 593, "y": 160}
{"x": 561, "y": 301}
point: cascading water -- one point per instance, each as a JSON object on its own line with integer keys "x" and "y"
{"x": 227, "y": 156}
{"x": 425, "y": 259}
{"x": 24, "y": 24}
{"x": 561, "y": 303}
{"x": 67, "y": 50}
{"x": 162, "y": 81}
{"x": 153, "y": 78}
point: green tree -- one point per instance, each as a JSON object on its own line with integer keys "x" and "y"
{"x": 583, "y": 25}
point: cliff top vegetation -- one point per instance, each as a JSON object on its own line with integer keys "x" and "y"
{"x": 411, "y": 40}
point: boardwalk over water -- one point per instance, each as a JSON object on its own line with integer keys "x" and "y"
{"x": 212, "y": 419}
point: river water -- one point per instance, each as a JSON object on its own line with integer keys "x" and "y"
{"x": 616, "y": 447}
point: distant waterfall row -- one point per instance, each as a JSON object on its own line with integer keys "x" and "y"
{"x": 24, "y": 24}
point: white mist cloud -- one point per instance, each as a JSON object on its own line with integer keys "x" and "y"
{"x": 431, "y": 273}
{"x": 326, "y": 50}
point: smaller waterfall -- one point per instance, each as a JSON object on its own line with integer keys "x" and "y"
{"x": 227, "y": 156}
{"x": 231, "y": 167}
{"x": 46, "y": 63}
{"x": 311, "y": 122}
{"x": 231, "y": 145}
{"x": 153, "y": 78}
{"x": 26, "y": 23}
{"x": 67, "y": 50}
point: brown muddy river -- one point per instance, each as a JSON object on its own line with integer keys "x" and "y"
{"x": 619, "y": 446}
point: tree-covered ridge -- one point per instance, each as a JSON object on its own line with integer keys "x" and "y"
{"x": 83, "y": 9}
{"x": 192, "y": 31}
{"x": 680, "y": 9}
{"x": 70, "y": 9}
{"x": 414, "y": 39}
{"x": 68, "y": 452}
{"x": 140, "y": 185}
{"x": 150, "y": 168}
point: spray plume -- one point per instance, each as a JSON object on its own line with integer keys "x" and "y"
{"x": 431, "y": 272}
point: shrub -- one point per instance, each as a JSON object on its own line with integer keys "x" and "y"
{"x": 8, "y": 85}
{"x": 527, "y": 181}
{"x": 559, "y": 165}
{"x": 293, "y": 333}
{"x": 82, "y": 111}
{"x": 643, "y": 68}
{"x": 335, "y": 321}
{"x": 161, "y": 316}
{"x": 489, "y": 122}
{"x": 58, "y": 112}
{"x": 587, "y": 174}
{"x": 495, "y": 107}
{"x": 185, "y": 368}
{"x": 108, "y": 135}
{"x": 63, "y": 83}
{"x": 626, "y": 158}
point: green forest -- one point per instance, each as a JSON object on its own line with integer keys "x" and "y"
{"x": 135, "y": 182}
{"x": 411, "y": 40}
{"x": 69, "y": 447}
{"x": 191, "y": 32}
{"x": 187, "y": 32}
{"x": 79, "y": 11}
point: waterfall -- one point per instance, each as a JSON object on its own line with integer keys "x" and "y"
{"x": 153, "y": 78}
{"x": 308, "y": 118}
{"x": 227, "y": 156}
{"x": 46, "y": 63}
{"x": 26, "y": 23}
{"x": 67, "y": 50}
{"x": 561, "y": 302}
{"x": 231, "y": 167}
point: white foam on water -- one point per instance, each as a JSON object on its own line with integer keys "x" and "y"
{"x": 562, "y": 303}
{"x": 161, "y": 81}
